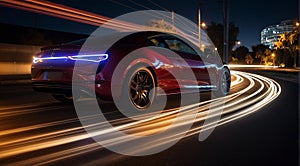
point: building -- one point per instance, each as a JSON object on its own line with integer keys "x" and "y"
{"x": 271, "y": 34}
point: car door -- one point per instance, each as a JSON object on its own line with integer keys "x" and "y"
{"x": 190, "y": 60}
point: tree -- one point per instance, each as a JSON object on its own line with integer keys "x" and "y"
{"x": 266, "y": 60}
{"x": 160, "y": 25}
{"x": 259, "y": 52}
{"x": 249, "y": 59}
{"x": 288, "y": 44}
{"x": 215, "y": 33}
{"x": 241, "y": 53}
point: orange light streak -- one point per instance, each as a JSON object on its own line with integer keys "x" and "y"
{"x": 266, "y": 90}
{"x": 65, "y": 12}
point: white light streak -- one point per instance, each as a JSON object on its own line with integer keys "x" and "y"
{"x": 250, "y": 66}
{"x": 249, "y": 93}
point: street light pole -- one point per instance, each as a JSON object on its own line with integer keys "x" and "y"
{"x": 199, "y": 27}
{"x": 172, "y": 18}
{"x": 226, "y": 31}
{"x": 297, "y": 25}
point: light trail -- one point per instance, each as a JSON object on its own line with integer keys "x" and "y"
{"x": 69, "y": 13}
{"x": 77, "y": 15}
{"x": 250, "y": 66}
{"x": 121, "y": 4}
{"x": 12, "y": 113}
{"x": 158, "y": 5}
{"x": 250, "y": 93}
{"x": 236, "y": 79}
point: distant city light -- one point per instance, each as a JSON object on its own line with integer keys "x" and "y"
{"x": 273, "y": 55}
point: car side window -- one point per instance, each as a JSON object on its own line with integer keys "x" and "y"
{"x": 178, "y": 45}
{"x": 158, "y": 43}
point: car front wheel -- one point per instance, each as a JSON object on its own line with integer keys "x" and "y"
{"x": 224, "y": 83}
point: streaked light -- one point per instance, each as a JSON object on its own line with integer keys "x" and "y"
{"x": 89, "y": 58}
{"x": 200, "y": 86}
{"x": 241, "y": 102}
{"x": 251, "y": 66}
{"x": 65, "y": 12}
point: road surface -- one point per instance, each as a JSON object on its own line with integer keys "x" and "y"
{"x": 259, "y": 126}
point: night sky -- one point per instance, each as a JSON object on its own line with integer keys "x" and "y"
{"x": 250, "y": 16}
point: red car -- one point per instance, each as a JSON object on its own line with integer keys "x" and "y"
{"x": 53, "y": 69}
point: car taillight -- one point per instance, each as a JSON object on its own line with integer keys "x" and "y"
{"x": 88, "y": 57}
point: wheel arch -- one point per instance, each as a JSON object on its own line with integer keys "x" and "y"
{"x": 148, "y": 65}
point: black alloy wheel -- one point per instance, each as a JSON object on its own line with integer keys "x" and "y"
{"x": 225, "y": 80}
{"x": 141, "y": 92}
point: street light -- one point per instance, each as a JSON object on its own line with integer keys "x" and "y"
{"x": 273, "y": 56}
{"x": 203, "y": 25}
{"x": 297, "y": 24}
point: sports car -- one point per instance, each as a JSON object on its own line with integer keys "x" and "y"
{"x": 162, "y": 65}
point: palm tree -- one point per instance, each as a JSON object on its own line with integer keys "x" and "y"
{"x": 289, "y": 42}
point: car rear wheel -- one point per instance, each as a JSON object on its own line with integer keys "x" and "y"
{"x": 141, "y": 85}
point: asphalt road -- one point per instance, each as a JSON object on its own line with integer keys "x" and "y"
{"x": 36, "y": 129}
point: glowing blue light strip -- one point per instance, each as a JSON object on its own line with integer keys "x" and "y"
{"x": 36, "y": 60}
{"x": 200, "y": 86}
{"x": 99, "y": 58}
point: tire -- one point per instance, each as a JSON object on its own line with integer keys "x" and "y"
{"x": 138, "y": 92}
{"x": 63, "y": 98}
{"x": 224, "y": 83}
{"x": 141, "y": 88}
